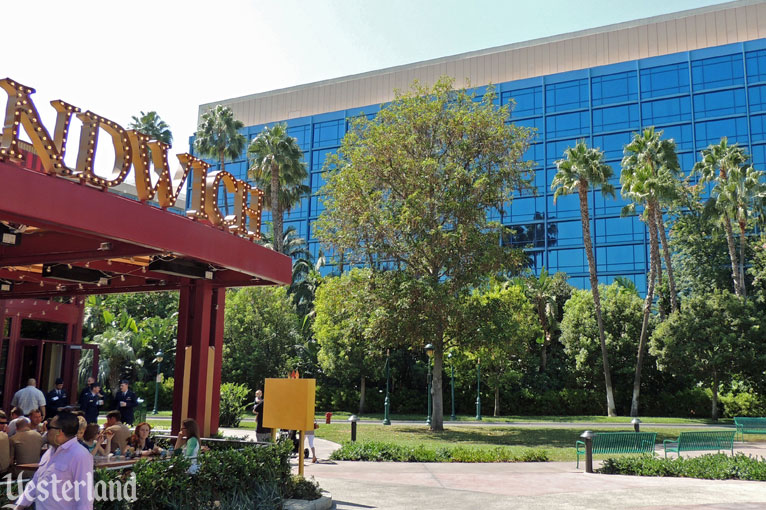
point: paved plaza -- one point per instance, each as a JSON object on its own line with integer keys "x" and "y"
{"x": 533, "y": 486}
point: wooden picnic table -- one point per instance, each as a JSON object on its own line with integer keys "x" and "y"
{"x": 111, "y": 463}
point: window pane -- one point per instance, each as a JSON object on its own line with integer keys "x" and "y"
{"x": 756, "y": 66}
{"x": 329, "y": 133}
{"x": 759, "y": 156}
{"x": 717, "y": 72}
{"x": 567, "y": 233}
{"x": 757, "y": 98}
{"x": 569, "y": 261}
{"x": 666, "y": 110}
{"x": 528, "y": 101}
{"x": 526, "y": 209}
{"x": 616, "y": 117}
{"x": 622, "y": 229}
{"x": 621, "y": 258}
{"x": 711, "y": 132}
{"x": 566, "y": 207}
{"x": 682, "y": 135}
{"x": 615, "y": 88}
{"x": 555, "y": 150}
{"x": 568, "y": 95}
{"x": 665, "y": 80}
{"x": 567, "y": 124}
{"x": 718, "y": 104}
{"x": 758, "y": 129}
{"x": 613, "y": 144}
{"x": 302, "y": 134}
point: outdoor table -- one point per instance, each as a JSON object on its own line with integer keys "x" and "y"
{"x": 112, "y": 463}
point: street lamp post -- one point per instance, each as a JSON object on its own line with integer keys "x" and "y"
{"x": 158, "y": 359}
{"x": 478, "y": 389}
{"x": 387, "y": 402}
{"x": 452, "y": 385}
{"x": 430, "y": 352}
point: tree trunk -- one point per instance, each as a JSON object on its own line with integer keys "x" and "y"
{"x": 225, "y": 196}
{"x": 546, "y": 336}
{"x": 732, "y": 253}
{"x": 654, "y": 255}
{"x": 276, "y": 209}
{"x": 742, "y": 247}
{"x": 363, "y": 390}
{"x": 437, "y": 409}
{"x": 714, "y": 410}
{"x": 666, "y": 254}
{"x": 585, "y": 217}
{"x": 497, "y": 401}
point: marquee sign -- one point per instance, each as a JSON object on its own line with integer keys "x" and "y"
{"x": 132, "y": 149}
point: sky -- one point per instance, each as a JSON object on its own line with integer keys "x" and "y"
{"x": 120, "y": 58}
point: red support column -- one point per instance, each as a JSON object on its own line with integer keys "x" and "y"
{"x": 196, "y": 391}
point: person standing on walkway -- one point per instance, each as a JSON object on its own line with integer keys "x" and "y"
{"x": 57, "y": 399}
{"x": 65, "y": 464}
{"x": 29, "y": 398}
{"x": 262, "y": 434}
{"x": 125, "y": 401}
{"x": 91, "y": 402}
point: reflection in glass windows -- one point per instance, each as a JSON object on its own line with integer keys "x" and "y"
{"x": 711, "y": 73}
{"x": 758, "y": 128}
{"x": 665, "y": 80}
{"x": 756, "y": 66}
{"x": 567, "y": 125}
{"x": 710, "y": 132}
{"x": 568, "y": 95}
{"x": 757, "y": 98}
{"x": 529, "y": 101}
{"x": 615, "y": 118}
{"x": 663, "y": 111}
{"x": 614, "y": 88}
{"x": 717, "y": 104}
{"x": 329, "y": 133}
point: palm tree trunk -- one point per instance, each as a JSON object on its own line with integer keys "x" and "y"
{"x": 225, "y": 196}
{"x": 654, "y": 255}
{"x": 732, "y": 253}
{"x": 363, "y": 390}
{"x": 658, "y": 272}
{"x": 276, "y": 210}
{"x": 742, "y": 247}
{"x": 666, "y": 254}
{"x": 584, "y": 216}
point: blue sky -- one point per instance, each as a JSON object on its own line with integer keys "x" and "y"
{"x": 119, "y": 58}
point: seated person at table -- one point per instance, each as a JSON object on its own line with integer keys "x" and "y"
{"x": 36, "y": 420}
{"x": 188, "y": 439}
{"x": 97, "y": 443}
{"x": 26, "y": 446}
{"x": 5, "y": 444}
{"x": 120, "y": 430}
{"x": 141, "y": 441}
{"x": 15, "y": 415}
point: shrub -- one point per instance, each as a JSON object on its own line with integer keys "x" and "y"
{"x": 378, "y": 451}
{"x": 743, "y": 404}
{"x": 233, "y": 399}
{"x": 145, "y": 390}
{"x": 717, "y": 466}
{"x": 301, "y": 488}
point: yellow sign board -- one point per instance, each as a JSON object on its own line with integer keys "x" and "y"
{"x": 289, "y": 404}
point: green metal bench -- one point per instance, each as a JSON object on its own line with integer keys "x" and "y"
{"x": 694, "y": 441}
{"x": 619, "y": 442}
{"x": 749, "y": 426}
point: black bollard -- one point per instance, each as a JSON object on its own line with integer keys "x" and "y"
{"x": 353, "y": 419}
{"x": 636, "y": 424}
{"x": 587, "y": 436}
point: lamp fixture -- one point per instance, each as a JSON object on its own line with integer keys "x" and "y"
{"x": 75, "y": 274}
{"x": 8, "y": 236}
{"x": 6, "y": 286}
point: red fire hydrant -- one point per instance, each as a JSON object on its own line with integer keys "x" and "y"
{"x": 327, "y": 418}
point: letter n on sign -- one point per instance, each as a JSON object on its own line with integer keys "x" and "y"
{"x": 289, "y": 404}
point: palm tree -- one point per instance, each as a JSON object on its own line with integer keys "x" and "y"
{"x": 151, "y": 124}
{"x": 581, "y": 169}
{"x": 218, "y": 136}
{"x": 116, "y": 356}
{"x": 716, "y": 164}
{"x": 278, "y": 168}
{"x": 541, "y": 293}
{"x": 740, "y": 197}
{"x": 649, "y": 176}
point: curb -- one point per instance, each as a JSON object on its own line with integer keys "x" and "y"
{"x": 323, "y": 503}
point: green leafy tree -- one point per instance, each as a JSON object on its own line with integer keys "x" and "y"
{"x": 502, "y": 325}
{"x": 580, "y": 335}
{"x": 151, "y": 124}
{"x": 716, "y": 164}
{"x": 348, "y": 351}
{"x": 542, "y": 293}
{"x": 117, "y": 357}
{"x": 714, "y": 338}
{"x": 581, "y": 168}
{"x": 649, "y": 177}
{"x": 410, "y": 188}
{"x": 218, "y": 137}
{"x": 278, "y": 168}
{"x": 260, "y": 333}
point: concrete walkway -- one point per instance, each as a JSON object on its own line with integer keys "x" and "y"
{"x": 532, "y": 486}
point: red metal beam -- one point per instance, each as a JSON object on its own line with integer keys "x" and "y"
{"x": 56, "y": 203}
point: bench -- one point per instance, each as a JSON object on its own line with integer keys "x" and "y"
{"x": 749, "y": 426}
{"x": 619, "y": 442}
{"x": 691, "y": 441}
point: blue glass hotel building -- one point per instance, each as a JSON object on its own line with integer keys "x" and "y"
{"x": 697, "y": 75}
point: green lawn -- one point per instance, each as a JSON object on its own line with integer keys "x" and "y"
{"x": 559, "y": 442}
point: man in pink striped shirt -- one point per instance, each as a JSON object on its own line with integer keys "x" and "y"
{"x": 64, "y": 480}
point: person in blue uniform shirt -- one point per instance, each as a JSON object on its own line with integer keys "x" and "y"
{"x": 125, "y": 400}
{"x": 91, "y": 402}
{"x": 57, "y": 399}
